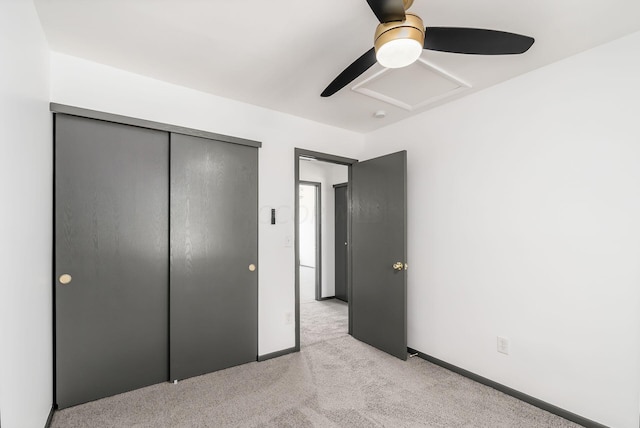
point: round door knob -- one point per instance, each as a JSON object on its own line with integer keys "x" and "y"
{"x": 65, "y": 278}
{"x": 252, "y": 267}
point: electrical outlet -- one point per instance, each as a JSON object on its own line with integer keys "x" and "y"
{"x": 503, "y": 345}
{"x": 288, "y": 318}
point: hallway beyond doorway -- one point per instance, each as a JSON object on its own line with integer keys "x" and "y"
{"x": 320, "y": 320}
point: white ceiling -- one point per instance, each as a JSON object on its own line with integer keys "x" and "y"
{"x": 281, "y": 54}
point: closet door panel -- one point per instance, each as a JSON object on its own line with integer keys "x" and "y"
{"x": 213, "y": 230}
{"x": 111, "y": 238}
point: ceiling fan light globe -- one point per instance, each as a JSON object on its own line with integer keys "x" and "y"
{"x": 399, "y": 43}
{"x": 399, "y": 53}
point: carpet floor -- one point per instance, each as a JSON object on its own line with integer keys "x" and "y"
{"x": 335, "y": 381}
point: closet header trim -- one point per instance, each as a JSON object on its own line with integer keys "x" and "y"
{"x": 141, "y": 123}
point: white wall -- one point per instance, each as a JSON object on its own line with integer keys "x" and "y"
{"x": 90, "y": 85}
{"x": 25, "y": 219}
{"x": 524, "y": 222}
{"x": 339, "y": 175}
{"x": 327, "y": 174}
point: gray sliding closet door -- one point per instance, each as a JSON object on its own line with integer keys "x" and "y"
{"x": 214, "y": 250}
{"x": 111, "y": 250}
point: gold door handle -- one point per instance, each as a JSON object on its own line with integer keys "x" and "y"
{"x": 65, "y": 279}
{"x": 400, "y": 266}
{"x": 252, "y": 267}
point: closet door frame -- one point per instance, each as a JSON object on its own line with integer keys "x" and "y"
{"x": 142, "y": 123}
{"x": 56, "y": 108}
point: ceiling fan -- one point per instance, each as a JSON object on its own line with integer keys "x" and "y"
{"x": 400, "y": 38}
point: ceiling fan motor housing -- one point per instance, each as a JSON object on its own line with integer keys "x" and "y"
{"x": 411, "y": 29}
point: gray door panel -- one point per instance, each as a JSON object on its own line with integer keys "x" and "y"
{"x": 111, "y": 235}
{"x": 379, "y": 302}
{"x": 341, "y": 207}
{"x": 213, "y": 302}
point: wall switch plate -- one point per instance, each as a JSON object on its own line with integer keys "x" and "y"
{"x": 503, "y": 345}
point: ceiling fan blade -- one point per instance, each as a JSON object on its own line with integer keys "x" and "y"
{"x": 387, "y": 10}
{"x": 350, "y": 73}
{"x": 475, "y": 41}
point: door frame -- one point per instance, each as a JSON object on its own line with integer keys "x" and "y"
{"x": 318, "y": 249}
{"x": 325, "y": 157}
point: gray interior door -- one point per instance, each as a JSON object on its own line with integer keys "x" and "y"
{"x": 214, "y": 251}
{"x": 111, "y": 250}
{"x": 341, "y": 207}
{"x": 379, "y": 232}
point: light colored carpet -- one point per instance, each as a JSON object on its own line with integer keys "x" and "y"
{"x": 335, "y": 381}
{"x": 322, "y": 320}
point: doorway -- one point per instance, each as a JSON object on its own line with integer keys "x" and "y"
{"x": 376, "y": 307}
{"x": 321, "y": 310}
